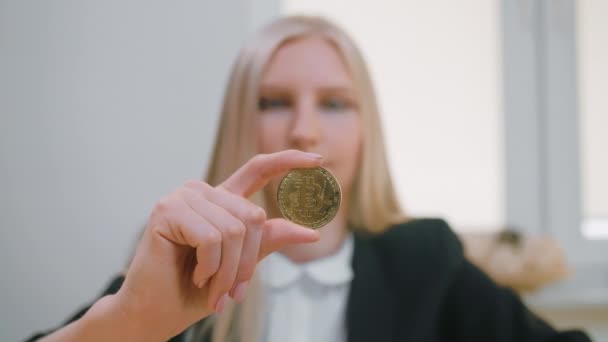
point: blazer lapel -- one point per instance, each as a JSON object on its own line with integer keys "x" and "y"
{"x": 369, "y": 310}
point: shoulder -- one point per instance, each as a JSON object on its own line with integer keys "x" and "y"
{"x": 426, "y": 247}
{"x": 430, "y": 237}
{"x": 420, "y": 229}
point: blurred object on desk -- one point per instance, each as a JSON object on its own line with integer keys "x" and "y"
{"x": 523, "y": 262}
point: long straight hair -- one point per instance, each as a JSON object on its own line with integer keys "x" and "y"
{"x": 373, "y": 205}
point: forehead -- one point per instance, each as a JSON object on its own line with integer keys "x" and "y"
{"x": 312, "y": 61}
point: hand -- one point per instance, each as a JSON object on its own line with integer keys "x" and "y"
{"x": 202, "y": 244}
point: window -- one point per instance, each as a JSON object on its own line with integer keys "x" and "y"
{"x": 554, "y": 124}
{"x": 592, "y": 47}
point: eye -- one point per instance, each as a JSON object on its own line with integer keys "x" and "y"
{"x": 270, "y": 103}
{"x": 335, "y": 104}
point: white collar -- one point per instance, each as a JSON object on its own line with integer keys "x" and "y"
{"x": 278, "y": 271}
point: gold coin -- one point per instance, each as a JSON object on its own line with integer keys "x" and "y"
{"x": 310, "y": 197}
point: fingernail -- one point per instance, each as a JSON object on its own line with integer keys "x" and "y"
{"x": 239, "y": 291}
{"x": 219, "y": 307}
{"x": 314, "y": 155}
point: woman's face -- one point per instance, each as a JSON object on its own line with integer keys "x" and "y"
{"x": 307, "y": 102}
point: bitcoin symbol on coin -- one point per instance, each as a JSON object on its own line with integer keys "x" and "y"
{"x": 310, "y": 197}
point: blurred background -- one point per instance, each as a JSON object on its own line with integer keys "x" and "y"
{"x": 495, "y": 116}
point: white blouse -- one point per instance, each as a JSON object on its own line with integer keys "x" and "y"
{"x": 307, "y": 302}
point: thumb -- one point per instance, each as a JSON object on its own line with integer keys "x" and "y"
{"x": 279, "y": 233}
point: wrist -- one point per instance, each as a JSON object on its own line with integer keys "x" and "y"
{"x": 111, "y": 320}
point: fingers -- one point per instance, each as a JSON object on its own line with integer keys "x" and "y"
{"x": 279, "y": 233}
{"x": 256, "y": 173}
{"x": 185, "y": 227}
{"x": 232, "y": 232}
{"x": 252, "y": 216}
{"x": 261, "y": 237}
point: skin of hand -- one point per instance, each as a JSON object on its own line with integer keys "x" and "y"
{"x": 201, "y": 245}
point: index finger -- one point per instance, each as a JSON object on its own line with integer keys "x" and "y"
{"x": 258, "y": 171}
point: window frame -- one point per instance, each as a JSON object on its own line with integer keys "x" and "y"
{"x": 543, "y": 159}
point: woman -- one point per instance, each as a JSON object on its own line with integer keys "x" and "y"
{"x": 299, "y": 96}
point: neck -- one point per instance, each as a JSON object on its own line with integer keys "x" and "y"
{"x": 332, "y": 237}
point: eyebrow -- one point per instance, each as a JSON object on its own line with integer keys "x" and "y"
{"x": 330, "y": 89}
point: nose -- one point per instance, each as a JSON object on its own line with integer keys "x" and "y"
{"x": 305, "y": 129}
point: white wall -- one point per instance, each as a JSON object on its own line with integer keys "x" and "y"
{"x": 105, "y": 106}
{"x": 436, "y": 65}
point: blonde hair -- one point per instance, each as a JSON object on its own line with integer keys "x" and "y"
{"x": 236, "y": 143}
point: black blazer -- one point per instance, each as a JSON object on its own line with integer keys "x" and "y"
{"x": 412, "y": 283}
